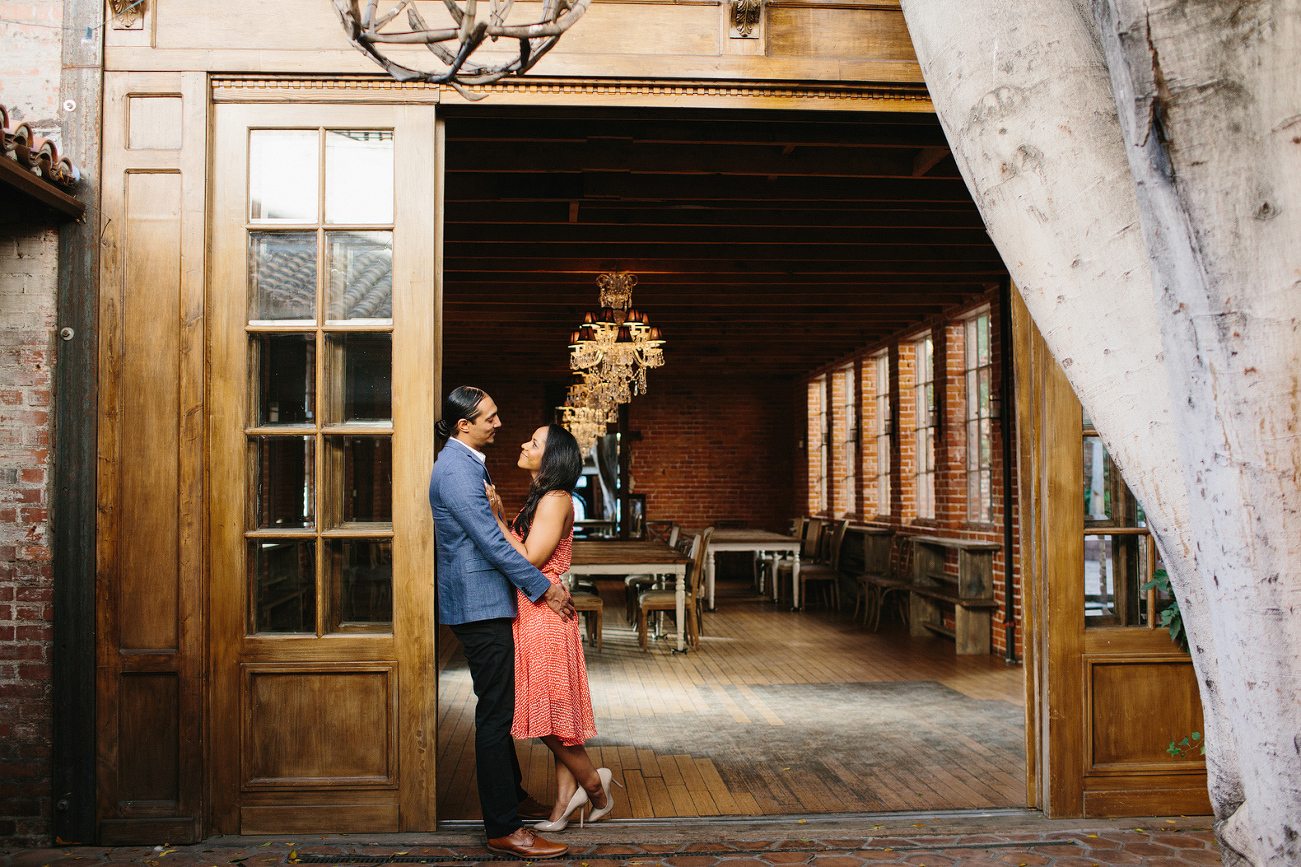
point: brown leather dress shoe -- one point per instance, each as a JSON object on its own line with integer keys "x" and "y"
{"x": 531, "y": 811}
{"x": 526, "y": 844}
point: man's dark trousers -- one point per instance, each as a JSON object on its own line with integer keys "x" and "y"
{"x": 490, "y": 655}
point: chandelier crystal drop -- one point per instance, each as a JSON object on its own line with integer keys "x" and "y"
{"x": 610, "y": 353}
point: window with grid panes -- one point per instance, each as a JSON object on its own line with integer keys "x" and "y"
{"x": 817, "y": 445}
{"x": 1120, "y": 554}
{"x": 881, "y": 432}
{"x": 845, "y": 439}
{"x": 320, "y": 430}
{"x": 924, "y": 426}
{"x": 978, "y": 372}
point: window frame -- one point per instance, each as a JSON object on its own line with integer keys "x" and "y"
{"x": 978, "y": 426}
{"x": 925, "y": 425}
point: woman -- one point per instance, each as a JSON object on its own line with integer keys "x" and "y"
{"x": 552, "y": 701}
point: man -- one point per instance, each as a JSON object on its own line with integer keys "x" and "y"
{"x": 478, "y": 571}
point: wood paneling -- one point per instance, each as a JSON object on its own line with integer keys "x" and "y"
{"x": 72, "y": 488}
{"x": 684, "y": 39}
{"x": 320, "y": 819}
{"x": 304, "y": 727}
{"x": 415, "y": 348}
{"x": 150, "y": 559}
{"x": 1136, "y": 709}
{"x": 825, "y": 30}
{"x": 155, "y": 122}
{"x": 150, "y": 385}
{"x": 149, "y": 723}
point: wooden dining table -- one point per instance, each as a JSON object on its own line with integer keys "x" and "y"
{"x": 755, "y": 541}
{"x": 592, "y": 557}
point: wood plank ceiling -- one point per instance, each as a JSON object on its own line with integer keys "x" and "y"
{"x": 764, "y": 243}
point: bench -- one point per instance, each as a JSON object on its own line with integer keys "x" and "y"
{"x": 970, "y": 595}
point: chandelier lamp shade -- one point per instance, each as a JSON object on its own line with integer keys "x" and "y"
{"x": 610, "y": 354}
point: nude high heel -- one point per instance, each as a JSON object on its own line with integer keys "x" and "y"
{"x": 607, "y": 777}
{"x": 575, "y": 803}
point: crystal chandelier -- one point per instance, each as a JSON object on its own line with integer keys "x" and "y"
{"x": 585, "y": 416}
{"x": 615, "y": 347}
{"x": 610, "y": 354}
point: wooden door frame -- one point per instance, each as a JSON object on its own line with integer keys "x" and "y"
{"x": 1067, "y": 726}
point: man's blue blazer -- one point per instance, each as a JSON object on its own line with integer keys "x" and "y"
{"x": 478, "y": 570}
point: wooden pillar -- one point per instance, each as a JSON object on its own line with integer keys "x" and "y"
{"x": 72, "y": 488}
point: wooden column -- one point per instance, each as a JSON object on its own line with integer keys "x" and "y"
{"x": 72, "y": 488}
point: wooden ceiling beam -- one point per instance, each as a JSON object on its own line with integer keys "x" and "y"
{"x": 770, "y": 161}
{"x": 458, "y": 235}
{"x": 466, "y": 131}
{"x": 702, "y": 279}
{"x": 602, "y": 213}
{"x": 794, "y": 258}
{"x": 460, "y": 300}
{"x": 506, "y": 189}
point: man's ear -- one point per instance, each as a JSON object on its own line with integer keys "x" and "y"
{"x": 462, "y": 425}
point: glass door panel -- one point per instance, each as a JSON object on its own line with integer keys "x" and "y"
{"x": 352, "y": 378}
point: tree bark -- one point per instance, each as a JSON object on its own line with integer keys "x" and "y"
{"x": 1164, "y": 277}
{"x": 1210, "y": 107}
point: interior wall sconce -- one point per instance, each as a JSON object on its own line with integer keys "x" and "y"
{"x": 743, "y": 18}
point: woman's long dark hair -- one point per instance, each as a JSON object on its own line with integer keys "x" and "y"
{"x": 461, "y": 403}
{"x": 562, "y": 464}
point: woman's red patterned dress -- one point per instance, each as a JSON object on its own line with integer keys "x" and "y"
{"x": 551, "y": 692}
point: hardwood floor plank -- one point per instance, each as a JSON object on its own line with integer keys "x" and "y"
{"x": 700, "y": 796}
{"x": 639, "y": 799}
{"x": 661, "y": 801}
{"x": 738, "y": 728}
{"x": 717, "y": 789}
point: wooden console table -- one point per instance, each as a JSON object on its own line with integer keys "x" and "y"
{"x": 971, "y": 595}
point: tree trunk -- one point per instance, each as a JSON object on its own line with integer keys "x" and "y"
{"x": 1210, "y": 108}
{"x": 1174, "y": 321}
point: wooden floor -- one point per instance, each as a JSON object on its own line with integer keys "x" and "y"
{"x": 780, "y": 712}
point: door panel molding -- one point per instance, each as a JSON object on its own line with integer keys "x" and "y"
{"x": 150, "y": 556}
{"x": 311, "y": 750}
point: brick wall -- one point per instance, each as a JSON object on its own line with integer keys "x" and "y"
{"x": 716, "y": 448}
{"x": 30, "y": 68}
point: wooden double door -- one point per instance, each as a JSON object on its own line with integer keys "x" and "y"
{"x": 322, "y": 394}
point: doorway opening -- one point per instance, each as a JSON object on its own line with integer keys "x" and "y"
{"x": 772, "y": 248}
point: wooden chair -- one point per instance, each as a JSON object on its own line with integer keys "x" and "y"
{"x": 826, "y": 574}
{"x": 635, "y": 585}
{"x": 810, "y": 547}
{"x": 658, "y": 531}
{"x": 590, "y": 605}
{"x": 877, "y": 589}
{"x": 765, "y": 564}
{"x": 666, "y": 599}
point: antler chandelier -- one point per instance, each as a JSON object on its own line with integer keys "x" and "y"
{"x": 454, "y": 44}
{"x": 610, "y": 353}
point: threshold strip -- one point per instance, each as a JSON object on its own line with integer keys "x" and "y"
{"x": 308, "y": 858}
